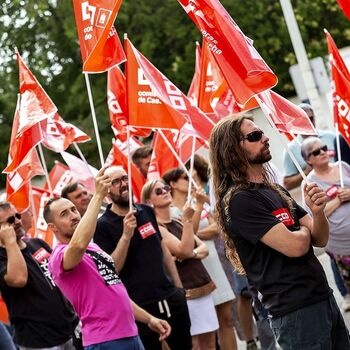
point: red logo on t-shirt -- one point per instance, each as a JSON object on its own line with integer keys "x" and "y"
{"x": 147, "y": 230}
{"x": 284, "y": 216}
{"x": 331, "y": 192}
{"x": 40, "y": 255}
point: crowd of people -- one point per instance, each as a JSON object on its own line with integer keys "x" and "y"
{"x": 171, "y": 272}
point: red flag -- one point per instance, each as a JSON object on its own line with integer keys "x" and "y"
{"x": 137, "y": 179}
{"x": 157, "y": 102}
{"x": 194, "y": 87}
{"x": 162, "y": 154}
{"x": 21, "y": 143}
{"x": 345, "y": 6}
{"x": 35, "y": 104}
{"x": 18, "y": 182}
{"x": 41, "y": 230}
{"x": 184, "y": 146}
{"x": 288, "y": 117}
{"x": 81, "y": 171}
{"x": 340, "y": 89}
{"x": 59, "y": 176}
{"x": 116, "y": 99}
{"x": 100, "y": 46}
{"x": 245, "y": 71}
{"x": 153, "y": 169}
{"x": 59, "y": 135}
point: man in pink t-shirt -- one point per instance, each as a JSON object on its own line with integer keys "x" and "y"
{"x": 86, "y": 275}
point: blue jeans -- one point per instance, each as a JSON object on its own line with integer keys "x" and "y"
{"x": 131, "y": 343}
{"x": 318, "y": 326}
{"x": 6, "y": 341}
{"x": 338, "y": 279}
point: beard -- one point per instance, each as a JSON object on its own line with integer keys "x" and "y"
{"x": 120, "y": 200}
{"x": 261, "y": 158}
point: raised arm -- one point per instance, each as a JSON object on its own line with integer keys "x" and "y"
{"x": 16, "y": 269}
{"x": 86, "y": 228}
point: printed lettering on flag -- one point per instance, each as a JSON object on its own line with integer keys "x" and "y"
{"x": 100, "y": 46}
{"x": 340, "y": 89}
{"x": 243, "y": 68}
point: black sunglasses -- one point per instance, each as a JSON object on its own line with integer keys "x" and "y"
{"x": 117, "y": 182}
{"x": 158, "y": 191}
{"x": 11, "y": 219}
{"x": 253, "y": 136}
{"x": 317, "y": 151}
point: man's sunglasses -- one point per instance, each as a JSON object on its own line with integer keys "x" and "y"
{"x": 118, "y": 181}
{"x": 11, "y": 219}
{"x": 253, "y": 136}
{"x": 317, "y": 151}
{"x": 158, "y": 191}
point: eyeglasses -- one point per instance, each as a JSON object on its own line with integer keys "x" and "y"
{"x": 158, "y": 191}
{"x": 317, "y": 151}
{"x": 118, "y": 181}
{"x": 11, "y": 219}
{"x": 253, "y": 136}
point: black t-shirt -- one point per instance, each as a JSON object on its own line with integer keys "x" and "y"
{"x": 39, "y": 313}
{"x": 143, "y": 272}
{"x": 286, "y": 284}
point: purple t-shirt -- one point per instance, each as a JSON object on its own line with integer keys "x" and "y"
{"x": 97, "y": 294}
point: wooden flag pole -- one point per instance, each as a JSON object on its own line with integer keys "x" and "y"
{"x": 94, "y": 120}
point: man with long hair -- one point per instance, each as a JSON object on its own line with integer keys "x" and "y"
{"x": 269, "y": 237}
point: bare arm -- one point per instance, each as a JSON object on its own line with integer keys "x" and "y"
{"x": 316, "y": 200}
{"x": 209, "y": 232}
{"x": 86, "y": 228}
{"x": 157, "y": 325}
{"x": 16, "y": 272}
{"x": 121, "y": 251}
{"x": 332, "y": 206}
{"x": 290, "y": 243}
{"x": 170, "y": 266}
{"x": 201, "y": 198}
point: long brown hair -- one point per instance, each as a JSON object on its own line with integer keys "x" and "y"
{"x": 228, "y": 166}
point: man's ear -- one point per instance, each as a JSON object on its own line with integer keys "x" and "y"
{"x": 52, "y": 227}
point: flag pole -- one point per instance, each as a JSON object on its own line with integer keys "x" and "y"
{"x": 177, "y": 157}
{"x": 191, "y": 170}
{"x": 282, "y": 139}
{"x": 129, "y": 169}
{"x": 337, "y": 135}
{"x": 43, "y": 162}
{"x": 94, "y": 120}
{"x": 128, "y": 127}
{"x": 81, "y": 155}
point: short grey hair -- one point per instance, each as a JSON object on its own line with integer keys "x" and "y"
{"x": 307, "y": 145}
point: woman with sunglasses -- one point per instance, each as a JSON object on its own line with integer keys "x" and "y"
{"x": 207, "y": 230}
{"x": 188, "y": 250}
{"x": 327, "y": 176}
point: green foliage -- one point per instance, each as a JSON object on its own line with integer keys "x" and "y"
{"x": 45, "y": 34}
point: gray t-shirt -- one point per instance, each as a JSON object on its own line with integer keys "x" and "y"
{"x": 339, "y": 220}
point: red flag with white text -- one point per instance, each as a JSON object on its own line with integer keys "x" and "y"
{"x": 157, "y": 102}
{"x": 100, "y": 46}
{"x": 59, "y": 135}
{"x": 193, "y": 91}
{"x": 116, "y": 99}
{"x": 41, "y": 230}
{"x": 18, "y": 182}
{"x": 244, "y": 69}
{"x": 21, "y": 143}
{"x": 288, "y": 117}
{"x": 340, "y": 89}
{"x": 59, "y": 176}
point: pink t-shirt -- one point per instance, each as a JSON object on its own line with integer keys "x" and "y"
{"x": 97, "y": 294}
